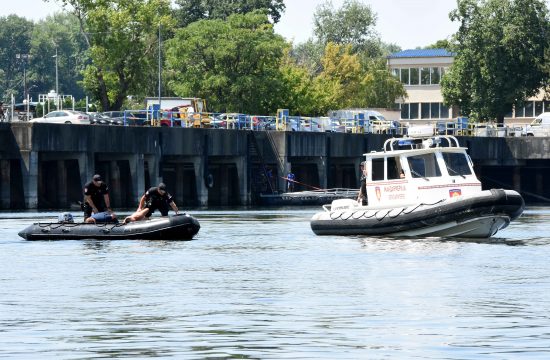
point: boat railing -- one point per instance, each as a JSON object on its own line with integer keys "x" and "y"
{"x": 420, "y": 142}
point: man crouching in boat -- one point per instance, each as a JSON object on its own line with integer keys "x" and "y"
{"x": 153, "y": 199}
{"x": 362, "y": 197}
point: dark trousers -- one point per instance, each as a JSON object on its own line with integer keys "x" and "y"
{"x": 158, "y": 205}
{"x": 88, "y": 209}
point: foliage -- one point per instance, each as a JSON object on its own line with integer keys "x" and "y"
{"x": 190, "y": 11}
{"x": 352, "y": 24}
{"x": 15, "y": 37}
{"x": 61, "y": 32}
{"x": 122, "y": 41}
{"x": 234, "y": 63}
{"x": 501, "y": 46}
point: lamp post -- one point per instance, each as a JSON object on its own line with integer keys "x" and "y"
{"x": 56, "y": 81}
{"x": 24, "y": 58}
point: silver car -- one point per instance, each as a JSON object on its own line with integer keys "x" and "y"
{"x": 64, "y": 117}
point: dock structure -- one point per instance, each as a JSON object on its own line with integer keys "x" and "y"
{"x": 46, "y": 165}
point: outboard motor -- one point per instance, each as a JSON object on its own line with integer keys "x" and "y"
{"x": 65, "y": 218}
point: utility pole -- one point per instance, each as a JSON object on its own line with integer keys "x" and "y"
{"x": 56, "y": 81}
{"x": 160, "y": 72}
{"x": 24, "y": 58}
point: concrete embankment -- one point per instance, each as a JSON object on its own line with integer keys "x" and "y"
{"x": 46, "y": 165}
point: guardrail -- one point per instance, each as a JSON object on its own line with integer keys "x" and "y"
{"x": 237, "y": 121}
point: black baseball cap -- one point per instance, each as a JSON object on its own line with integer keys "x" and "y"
{"x": 162, "y": 186}
{"x": 97, "y": 177}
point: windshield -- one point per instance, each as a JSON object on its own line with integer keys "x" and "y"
{"x": 457, "y": 164}
{"x": 424, "y": 166}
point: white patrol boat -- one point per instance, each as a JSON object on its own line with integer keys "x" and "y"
{"x": 421, "y": 187}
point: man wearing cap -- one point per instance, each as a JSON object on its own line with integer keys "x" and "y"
{"x": 156, "y": 198}
{"x": 96, "y": 197}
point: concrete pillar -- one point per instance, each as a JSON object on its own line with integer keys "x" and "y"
{"x": 30, "y": 178}
{"x": 153, "y": 163}
{"x": 114, "y": 184}
{"x": 5, "y": 174}
{"x": 244, "y": 184}
{"x": 202, "y": 189}
{"x": 62, "y": 184}
{"x": 137, "y": 172}
{"x": 287, "y": 167}
{"x": 180, "y": 183}
{"x": 86, "y": 167}
{"x": 322, "y": 171}
{"x": 516, "y": 178}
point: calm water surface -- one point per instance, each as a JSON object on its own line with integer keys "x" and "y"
{"x": 259, "y": 284}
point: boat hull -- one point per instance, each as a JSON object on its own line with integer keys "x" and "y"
{"x": 177, "y": 227}
{"x": 479, "y": 216}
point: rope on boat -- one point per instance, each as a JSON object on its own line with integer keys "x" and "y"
{"x": 362, "y": 214}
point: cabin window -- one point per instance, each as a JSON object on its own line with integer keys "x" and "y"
{"x": 377, "y": 169}
{"x": 424, "y": 166}
{"x": 393, "y": 168}
{"x": 457, "y": 164}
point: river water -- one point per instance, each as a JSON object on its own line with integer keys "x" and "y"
{"x": 259, "y": 284}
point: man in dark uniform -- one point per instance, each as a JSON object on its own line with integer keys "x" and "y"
{"x": 362, "y": 197}
{"x": 156, "y": 198}
{"x": 96, "y": 197}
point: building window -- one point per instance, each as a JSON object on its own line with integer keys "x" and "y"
{"x": 405, "y": 76}
{"x": 520, "y": 111}
{"x": 425, "y": 111}
{"x": 405, "y": 111}
{"x": 436, "y": 75}
{"x": 444, "y": 111}
{"x": 414, "y": 77}
{"x": 413, "y": 111}
{"x": 529, "y": 109}
{"x": 434, "y": 111}
{"x": 395, "y": 72}
{"x": 425, "y": 76}
{"x": 538, "y": 108}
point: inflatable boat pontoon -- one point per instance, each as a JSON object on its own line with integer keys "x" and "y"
{"x": 176, "y": 227}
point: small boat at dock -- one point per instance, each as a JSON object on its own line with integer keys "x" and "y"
{"x": 421, "y": 187}
{"x": 175, "y": 227}
{"x": 309, "y": 197}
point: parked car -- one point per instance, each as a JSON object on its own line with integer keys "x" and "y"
{"x": 115, "y": 117}
{"x": 64, "y": 117}
{"x": 135, "y": 118}
{"x": 99, "y": 119}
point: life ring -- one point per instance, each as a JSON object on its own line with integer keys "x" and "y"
{"x": 209, "y": 181}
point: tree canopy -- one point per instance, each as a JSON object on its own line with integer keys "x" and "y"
{"x": 122, "y": 41}
{"x": 190, "y": 11}
{"x": 500, "y": 56}
{"x": 233, "y": 63}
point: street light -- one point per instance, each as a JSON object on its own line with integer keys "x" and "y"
{"x": 24, "y": 58}
{"x": 56, "y": 81}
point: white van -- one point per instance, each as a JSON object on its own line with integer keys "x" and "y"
{"x": 539, "y": 127}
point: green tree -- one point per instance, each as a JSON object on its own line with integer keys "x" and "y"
{"x": 15, "y": 37}
{"x": 352, "y": 24}
{"x": 58, "y": 32}
{"x": 122, "y": 42}
{"x": 234, "y": 63}
{"x": 501, "y": 47}
{"x": 190, "y": 11}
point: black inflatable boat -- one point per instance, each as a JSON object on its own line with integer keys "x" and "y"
{"x": 176, "y": 227}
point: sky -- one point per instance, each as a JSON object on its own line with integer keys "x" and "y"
{"x": 407, "y": 23}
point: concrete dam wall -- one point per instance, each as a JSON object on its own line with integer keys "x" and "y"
{"x": 46, "y": 165}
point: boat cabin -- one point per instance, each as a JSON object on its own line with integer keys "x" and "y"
{"x": 413, "y": 170}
